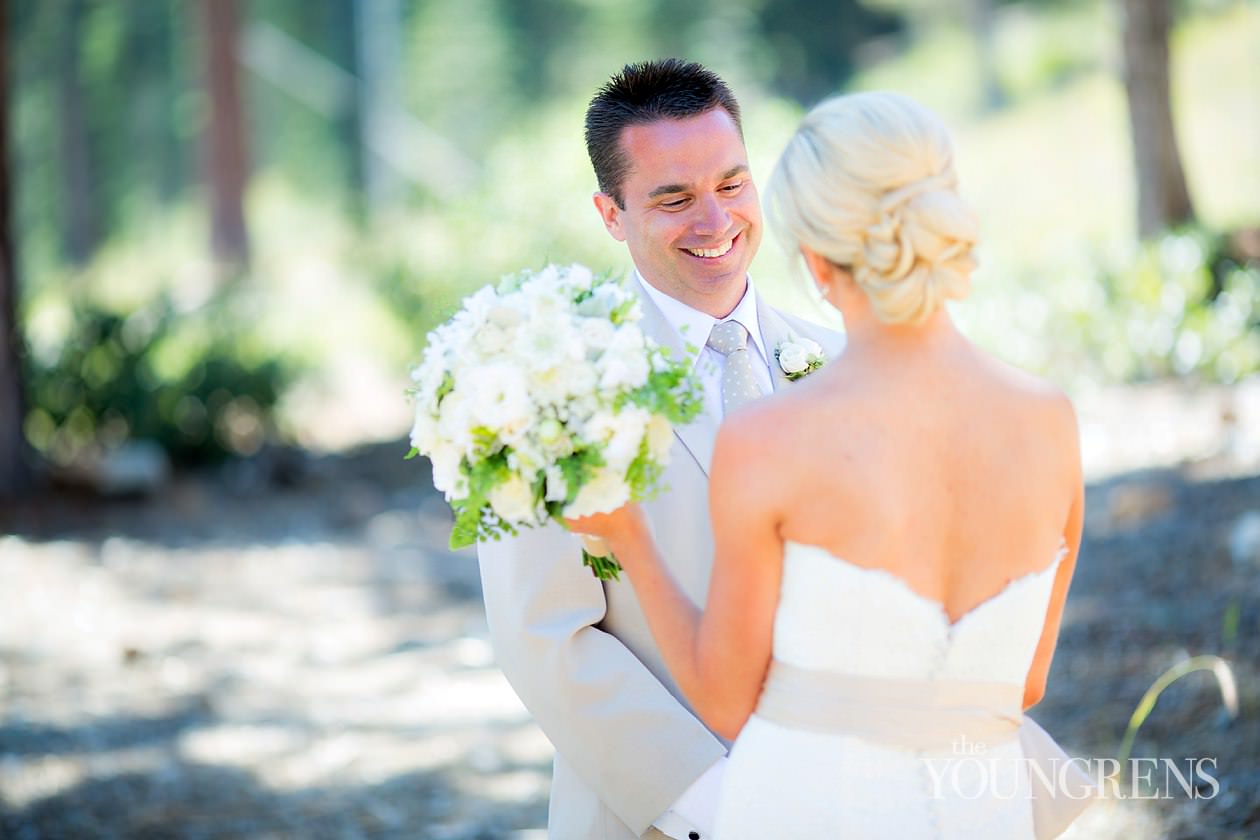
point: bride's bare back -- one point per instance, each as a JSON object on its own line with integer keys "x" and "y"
{"x": 914, "y": 453}
{"x": 937, "y": 464}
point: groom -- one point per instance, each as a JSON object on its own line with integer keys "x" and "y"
{"x": 631, "y": 759}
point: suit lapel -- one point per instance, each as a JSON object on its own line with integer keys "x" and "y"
{"x": 774, "y": 331}
{"x": 699, "y": 435}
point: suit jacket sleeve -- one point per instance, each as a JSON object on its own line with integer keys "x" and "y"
{"x": 628, "y": 738}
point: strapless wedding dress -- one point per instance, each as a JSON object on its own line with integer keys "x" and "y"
{"x": 836, "y": 618}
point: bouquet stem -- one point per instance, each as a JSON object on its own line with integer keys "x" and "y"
{"x": 597, "y": 555}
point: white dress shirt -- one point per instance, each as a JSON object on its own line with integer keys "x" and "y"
{"x": 694, "y": 326}
{"x": 694, "y": 813}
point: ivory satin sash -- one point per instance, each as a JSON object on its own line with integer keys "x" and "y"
{"x": 931, "y": 716}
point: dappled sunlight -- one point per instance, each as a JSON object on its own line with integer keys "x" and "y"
{"x": 277, "y": 660}
{"x": 230, "y": 609}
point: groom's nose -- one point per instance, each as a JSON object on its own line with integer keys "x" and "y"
{"x": 711, "y": 217}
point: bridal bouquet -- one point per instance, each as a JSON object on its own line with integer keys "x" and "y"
{"x": 542, "y": 399}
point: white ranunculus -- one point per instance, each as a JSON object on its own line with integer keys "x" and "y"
{"x": 660, "y": 436}
{"x": 793, "y": 357}
{"x": 498, "y": 396}
{"x": 513, "y": 500}
{"x": 545, "y": 342}
{"x": 604, "y": 493}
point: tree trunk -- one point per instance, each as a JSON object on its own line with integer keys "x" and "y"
{"x": 225, "y": 134}
{"x": 1163, "y": 199}
{"x": 349, "y": 121}
{"x": 378, "y": 31}
{"x": 78, "y": 194}
{"x": 14, "y": 467}
{"x": 984, "y": 29}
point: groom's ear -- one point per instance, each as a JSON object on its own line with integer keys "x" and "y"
{"x": 608, "y": 210}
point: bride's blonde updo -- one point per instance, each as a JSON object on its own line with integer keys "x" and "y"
{"x": 868, "y": 183}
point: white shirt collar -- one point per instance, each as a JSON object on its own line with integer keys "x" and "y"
{"x": 694, "y": 326}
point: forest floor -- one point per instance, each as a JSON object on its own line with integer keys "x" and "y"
{"x": 285, "y": 647}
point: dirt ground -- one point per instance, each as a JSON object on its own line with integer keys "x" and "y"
{"x": 285, "y": 648}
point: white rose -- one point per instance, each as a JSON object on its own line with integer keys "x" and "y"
{"x": 792, "y": 357}
{"x": 513, "y": 500}
{"x": 812, "y": 348}
{"x": 620, "y": 434}
{"x": 491, "y": 339}
{"x": 504, "y": 316}
{"x": 499, "y": 396}
{"x": 446, "y": 475}
{"x": 628, "y": 339}
{"x": 581, "y": 380}
{"x": 455, "y": 419}
{"x": 546, "y": 279}
{"x": 579, "y": 276}
{"x": 618, "y": 372}
{"x": 550, "y": 386}
{"x": 424, "y": 432}
{"x": 597, "y": 333}
{"x": 660, "y": 435}
{"x": 605, "y": 492}
{"x": 477, "y": 306}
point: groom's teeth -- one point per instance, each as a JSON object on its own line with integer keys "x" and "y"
{"x": 711, "y": 252}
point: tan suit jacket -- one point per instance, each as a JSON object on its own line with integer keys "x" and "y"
{"x": 581, "y": 656}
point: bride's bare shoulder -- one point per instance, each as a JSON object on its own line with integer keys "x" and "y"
{"x": 1037, "y": 397}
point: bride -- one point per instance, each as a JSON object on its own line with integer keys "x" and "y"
{"x": 895, "y": 535}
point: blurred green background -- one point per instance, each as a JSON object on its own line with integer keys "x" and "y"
{"x": 227, "y": 225}
{"x": 234, "y": 222}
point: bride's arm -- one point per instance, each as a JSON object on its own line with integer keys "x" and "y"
{"x": 718, "y": 656}
{"x": 1035, "y": 686}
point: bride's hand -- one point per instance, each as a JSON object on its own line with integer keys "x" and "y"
{"x": 622, "y": 525}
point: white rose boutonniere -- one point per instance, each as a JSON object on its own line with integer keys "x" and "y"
{"x": 799, "y": 357}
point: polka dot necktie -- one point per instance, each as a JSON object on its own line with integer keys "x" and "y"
{"x": 739, "y": 378}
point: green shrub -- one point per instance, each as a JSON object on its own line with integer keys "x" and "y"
{"x": 185, "y": 381}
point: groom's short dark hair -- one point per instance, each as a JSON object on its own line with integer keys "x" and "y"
{"x": 643, "y": 93}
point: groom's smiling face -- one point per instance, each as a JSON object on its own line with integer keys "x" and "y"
{"x": 691, "y": 217}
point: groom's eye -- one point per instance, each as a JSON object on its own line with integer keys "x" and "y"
{"x": 733, "y": 188}
{"x": 674, "y": 203}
